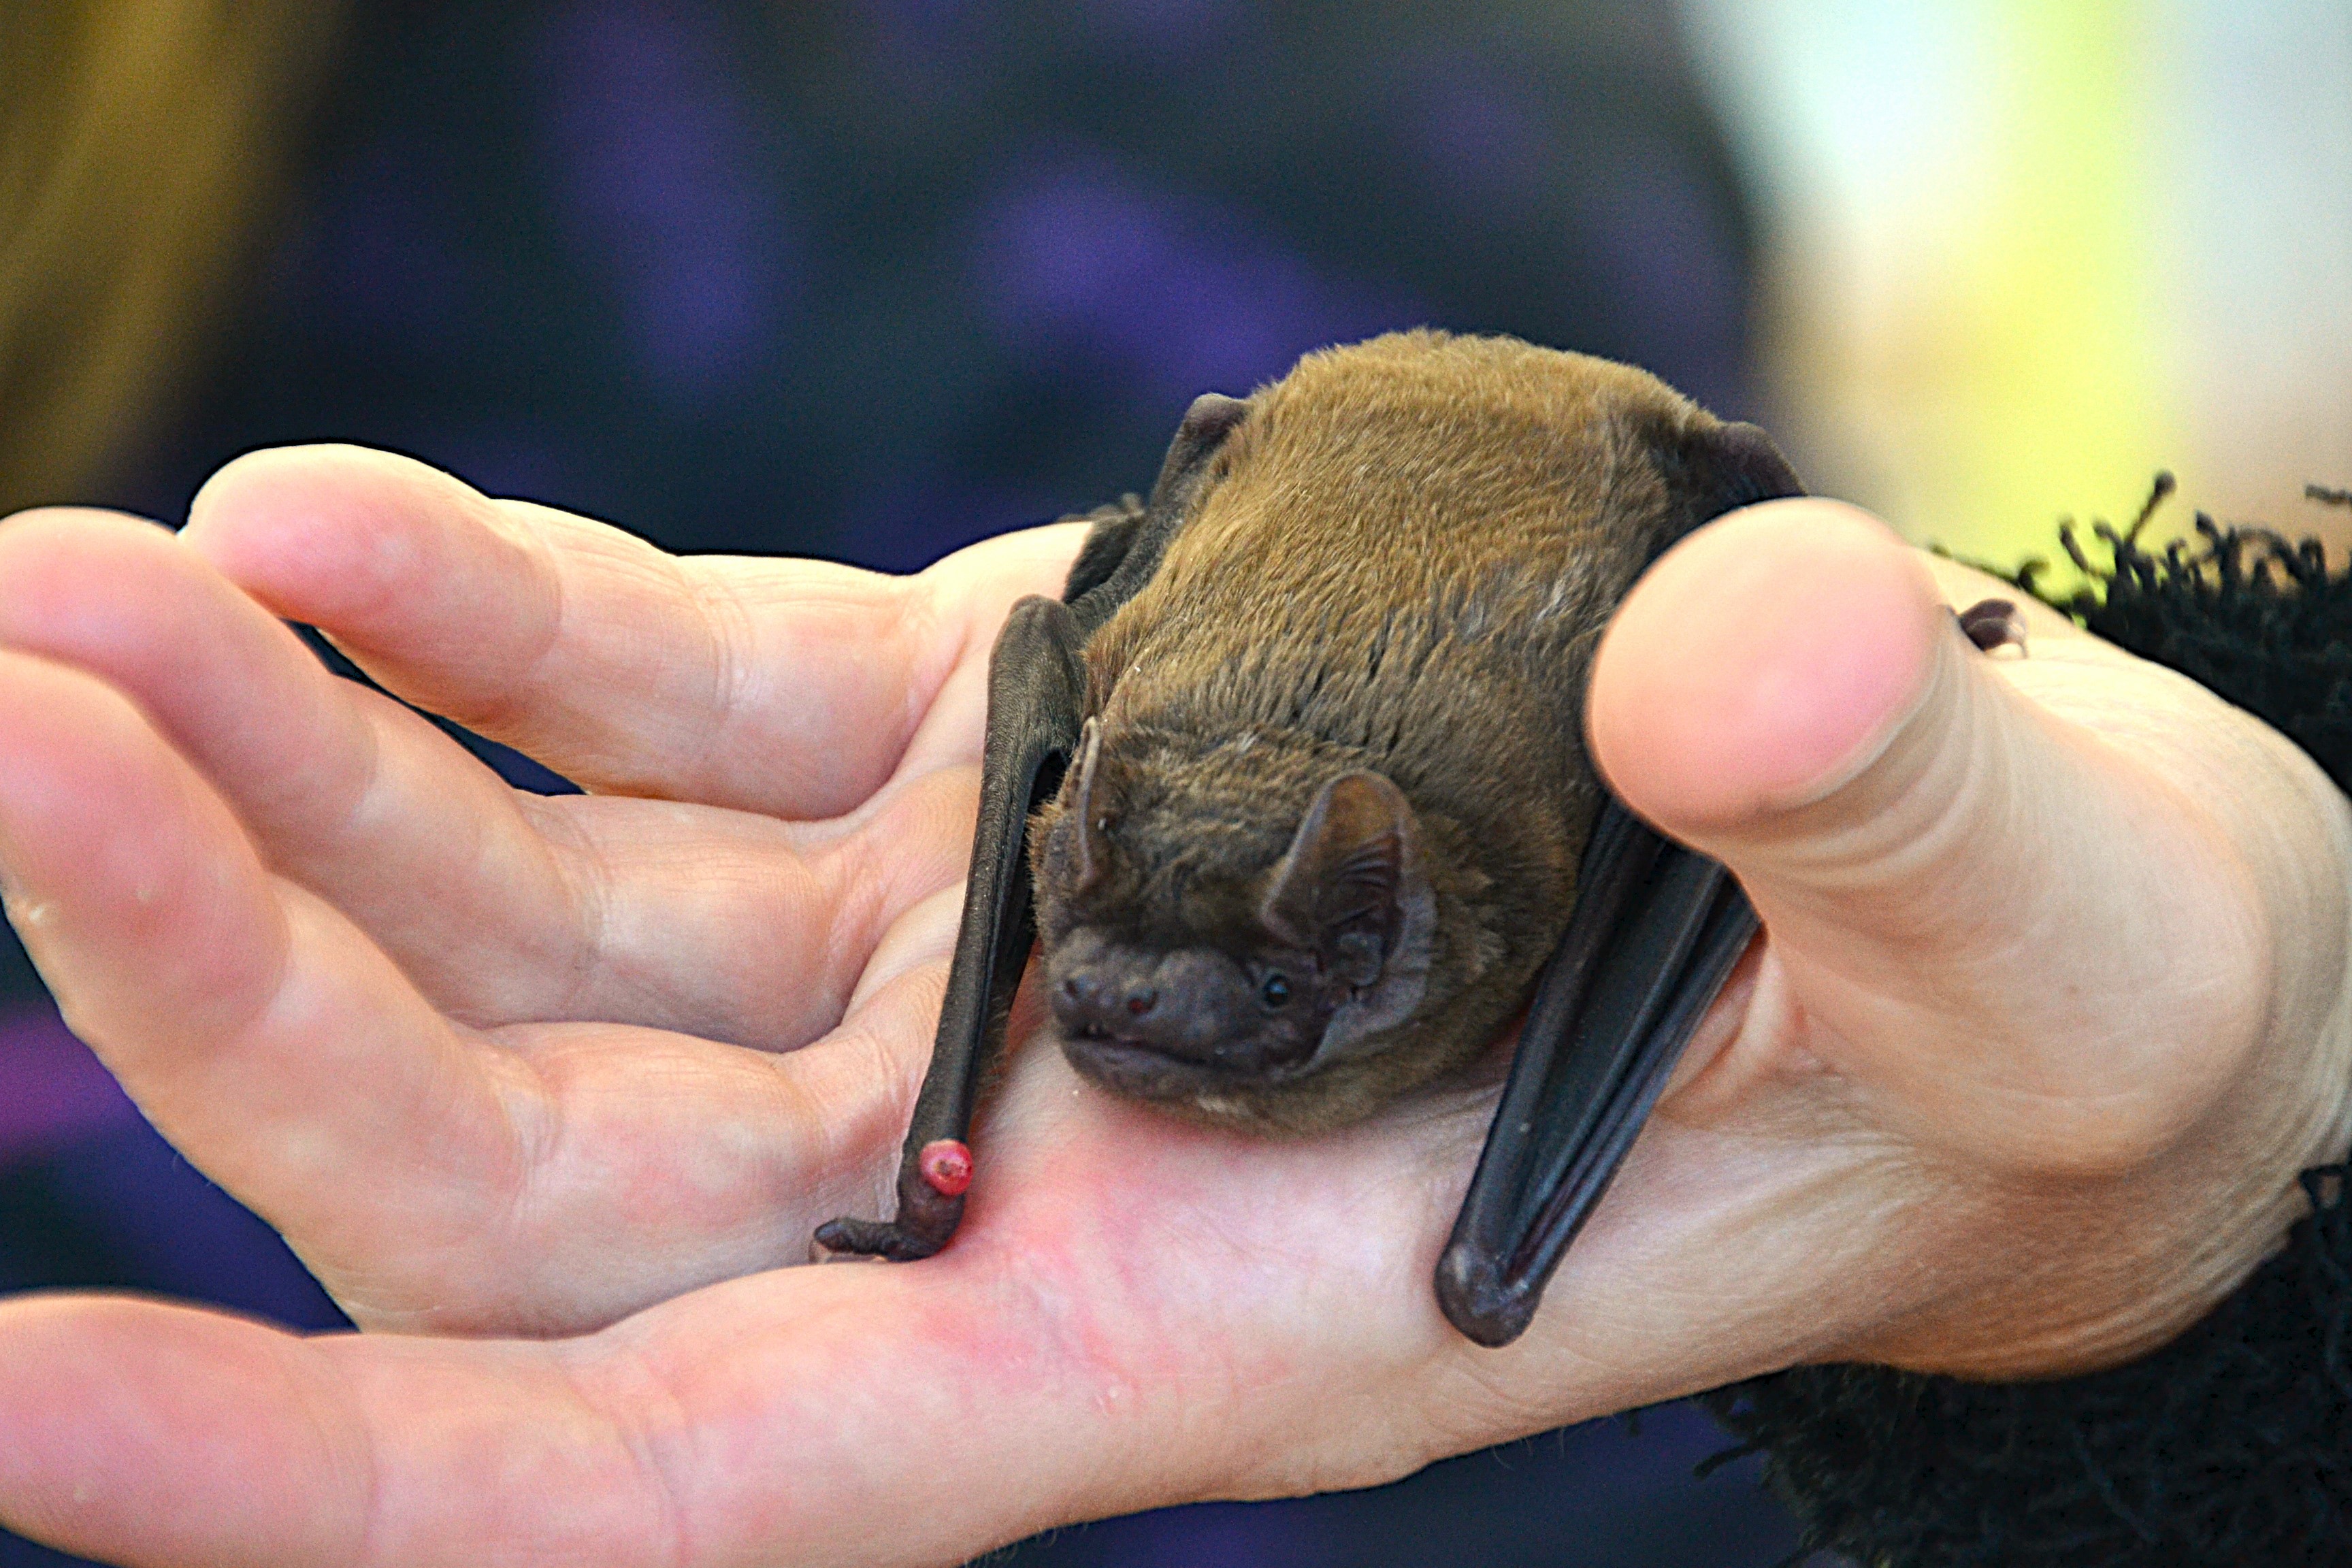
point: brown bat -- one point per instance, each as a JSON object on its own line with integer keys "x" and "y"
{"x": 1297, "y": 763}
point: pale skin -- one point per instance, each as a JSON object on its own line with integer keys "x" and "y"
{"x": 2050, "y": 1010}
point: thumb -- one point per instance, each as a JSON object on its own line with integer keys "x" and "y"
{"x": 1977, "y": 897}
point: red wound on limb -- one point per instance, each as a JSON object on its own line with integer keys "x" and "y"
{"x": 946, "y": 1164}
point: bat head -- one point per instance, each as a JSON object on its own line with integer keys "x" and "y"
{"x": 1326, "y": 830}
{"x": 1214, "y": 972}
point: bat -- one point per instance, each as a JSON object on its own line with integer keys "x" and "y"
{"x": 1290, "y": 791}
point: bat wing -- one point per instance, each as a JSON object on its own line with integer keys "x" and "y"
{"x": 1036, "y": 699}
{"x": 1655, "y": 931}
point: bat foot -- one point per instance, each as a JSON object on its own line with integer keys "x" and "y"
{"x": 927, "y": 1219}
{"x": 874, "y": 1238}
{"x": 1478, "y": 1300}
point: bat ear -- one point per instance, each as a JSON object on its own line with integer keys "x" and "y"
{"x": 1345, "y": 885}
{"x": 1206, "y": 424}
{"x": 1089, "y": 856}
{"x": 1721, "y": 468}
{"x": 1210, "y": 419}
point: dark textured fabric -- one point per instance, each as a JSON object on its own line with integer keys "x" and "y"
{"x": 2232, "y": 1445}
{"x": 2243, "y": 611}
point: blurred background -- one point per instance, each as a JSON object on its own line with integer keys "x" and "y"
{"x": 872, "y": 278}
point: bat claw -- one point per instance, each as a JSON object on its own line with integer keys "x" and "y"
{"x": 1993, "y": 624}
{"x": 925, "y": 1222}
{"x": 874, "y": 1238}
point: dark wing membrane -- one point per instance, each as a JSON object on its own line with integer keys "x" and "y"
{"x": 1110, "y": 534}
{"x": 1036, "y": 699}
{"x": 1655, "y": 932}
{"x": 1037, "y": 687}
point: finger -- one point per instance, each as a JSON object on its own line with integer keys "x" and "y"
{"x": 143, "y": 1434}
{"x": 663, "y": 1164}
{"x": 249, "y": 1020}
{"x": 793, "y": 688}
{"x": 1980, "y": 901}
{"x": 714, "y": 922}
{"x": 570, "y": 1177}
{"x": 147, "y": 1434}
{"x": 723, "y": 925}
{"x": 101, "y": 1398}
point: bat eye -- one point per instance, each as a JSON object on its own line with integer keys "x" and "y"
{"x": 1276, "y": 991}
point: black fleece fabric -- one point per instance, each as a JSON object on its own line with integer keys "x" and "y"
{"x": 2232, "y": 1445}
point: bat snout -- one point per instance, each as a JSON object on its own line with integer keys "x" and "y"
{"x": 1160, "y": 1026}
{"x": 1099, "y": 1002}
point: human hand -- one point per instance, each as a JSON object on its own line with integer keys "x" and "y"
{"x": 2050, "y": 1010}
{"x": 494, "y": 1062}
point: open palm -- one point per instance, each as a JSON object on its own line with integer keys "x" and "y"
{"x": 555, "y": 1085}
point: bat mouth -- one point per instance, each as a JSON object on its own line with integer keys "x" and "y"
{"x": 1142, "y": 1070}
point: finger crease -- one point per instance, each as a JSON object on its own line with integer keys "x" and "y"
{"x": 586, "y": 879}
{"x": 727, "y": 625}
{"x": 651, "y": 1457}
{"x": 523, "y": 693}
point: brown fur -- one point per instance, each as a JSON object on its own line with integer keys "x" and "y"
{"x": 1400, "y": 562}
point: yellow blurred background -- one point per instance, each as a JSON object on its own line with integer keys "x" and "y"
{"x": 2021, "y": 255}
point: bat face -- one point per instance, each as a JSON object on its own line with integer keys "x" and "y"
{"x": 1220, "y": 989}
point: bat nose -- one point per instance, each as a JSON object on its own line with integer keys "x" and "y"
{"x": 1104, "y": 1002}
{"x": 1133, "y": 1006}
